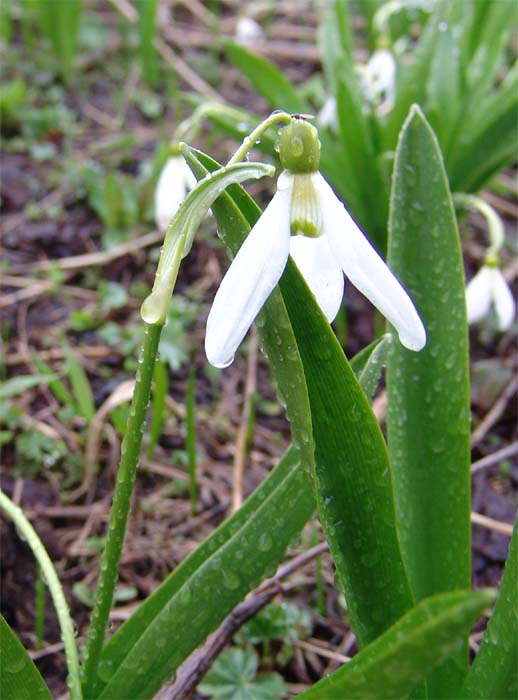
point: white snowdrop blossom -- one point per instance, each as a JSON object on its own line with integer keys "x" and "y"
{"x": 327, "y": 116}
{"x": 306, "y": 219}
{"x": 489, "y": 288}
{"x": 380, "y": 78}
{"x": 247, "y": 31}
{"x": 175, "y": 181}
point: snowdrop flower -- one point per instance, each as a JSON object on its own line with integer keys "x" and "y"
{"x": 327, "y": 116}
{"x": 175, "y": 181}
{"x": 487, "y": 288}
{"x": 379, "y": 78}
{"x": 247, "y": 31}
{"x": 307, "y": 219}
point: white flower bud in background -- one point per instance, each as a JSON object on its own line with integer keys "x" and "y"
{"x": 489, "y": 288}
{"x": 327, "y": 117}
{"x": 175, "y": 181}
{"x": 248, "y": 31}
{"x": 378, "y": 79}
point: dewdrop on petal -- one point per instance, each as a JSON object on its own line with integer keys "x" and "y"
{"x": 304, "y": 218}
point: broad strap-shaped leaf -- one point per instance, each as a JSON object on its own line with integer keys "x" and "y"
{"x": 19, "y": 677}
{"x": 266, "y": 78}
{"x": 350, "y": 462}
{"x": 494, "y": 673}
{"x": 196, "y": 597}
{"x": 428, "y": 420}
{"x": 391, "y": 666}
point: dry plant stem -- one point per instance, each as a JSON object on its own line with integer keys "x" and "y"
{"x": 130, "y": 452}
{"x": 506, "y": 452}
{"x": 56, "y": 591}
{"x": 494, "y": 414}
{"x": 241, "y": 447}
{"x": 77, "y": 262}
{"x": 197, "y": 665}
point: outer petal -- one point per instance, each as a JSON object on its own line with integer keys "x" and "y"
{"x": 478, "y": 295}
{"x": 249, "y": 281}
{"x": 170, "y": 191}
{"x": 503, "y": 299}
{"x": 320, "y": 270}
{"x": 367, "y": 270}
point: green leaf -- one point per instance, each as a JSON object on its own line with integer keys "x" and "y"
{"x": 80, "y": 384}
{"x": 195, "y": 598}
{"x": 146, "y": 25}
{"x": 428, "y": 422}
{"x": 411, "y": 85}
{"x": 20, "y": 679}
{"x": 233, "y": 677}
{"x": 266, "y": 78}
{"x": 160, "y": 391}
{"x": 60, "y": 22}
{"x": 360, "y": 156}
{"x": 350, "y": 461}
{"x": 55, "y": 385}
{"x": 391, "y": 666}
{"x": 494, "y": 673}
{"x": 487, "y": 142}
{"x": 24, "y": 382}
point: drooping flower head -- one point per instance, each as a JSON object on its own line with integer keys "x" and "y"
{"x": 306, "y": 219}
{"x": 175, "y": 181}
{"x": 487, "y": 289}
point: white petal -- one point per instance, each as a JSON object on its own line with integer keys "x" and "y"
{"x": 503, "y": 300}
{"x": 322, "y": 273}
{"x": 327, "y": 115}
{"x": 478, "y": 295}
{"x": 170, "y": 191}
{"x": 249, "y": 281}
{"x": 381, "y": 70}
{"x": 367, "y": 270}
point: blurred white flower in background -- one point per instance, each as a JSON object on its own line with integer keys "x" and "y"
{"x": 489, "y": 288}
{"x": 327, "y": 117}
{"x": 174, "y": 183}
{"x": 379, "y": 79}
{"x": 248, "y": 31}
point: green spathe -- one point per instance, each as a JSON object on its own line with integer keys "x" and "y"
{"x": 299, "y": 147}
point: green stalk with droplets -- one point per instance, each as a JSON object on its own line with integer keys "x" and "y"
{"x": 130, "y": 452}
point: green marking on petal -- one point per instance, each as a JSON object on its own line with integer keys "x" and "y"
{"x": 305, "y": 215}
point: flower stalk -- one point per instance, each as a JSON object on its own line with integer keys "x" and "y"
{"x": 26, "y": 530}
{"x": 130, "y": 452}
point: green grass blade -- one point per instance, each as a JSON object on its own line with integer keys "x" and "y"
{"x": 161, "y": 388}
{"x": 24, "y": 382}
{"x": 494, "y": 673}
{"x": 190, "y": 439}
{"x": 146, "y": 25}
{"x": 80, "y": 384}
{"x": 412, "y": 86}
{"x": 19, "y": 679}
{"x": 266, "y": 78}
{"x": 207, "y": 585}
{"x": 60, "y": 22}
{"x": 55, "y": 385}
{"x": 390, "y": 667}
{"x": 429, "y": 411}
